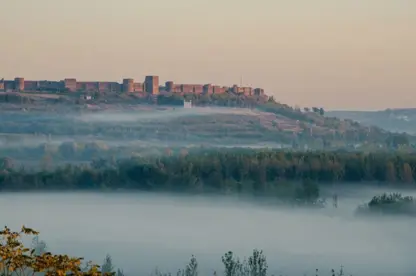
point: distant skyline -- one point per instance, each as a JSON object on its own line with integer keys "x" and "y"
{"x": 344, "y": 54}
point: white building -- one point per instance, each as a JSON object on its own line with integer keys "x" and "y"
{"x": 187, "y": 104}
{"x": 86, "y": 97}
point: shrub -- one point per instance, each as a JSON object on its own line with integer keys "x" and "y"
{"x": 394, "y": 203}
{"x": 16, "y": 259}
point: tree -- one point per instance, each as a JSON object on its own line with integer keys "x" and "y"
{"x": 120, "y": 272}
{"x": 6, "y": 163}
{"x": 68, "y": 149}
{"x": 16, "y": 259}
{"x": 46, "y": 161}
{"x": 257, "y": 263}
{"x": 390, "y": 172}
{"x": 190, "y": 270}
{"x": 39, "y": 246}
{"x": 308, "y": 193}
{"x": 321, "y": 111}
{"x": 397, "y": 140}
{"x": 99, "y": 163}
{"x": 107, "y": 266}
{"x": 192, "y": 267}
{"x": 407, "y": 174}
{"x": 233, "y": 266}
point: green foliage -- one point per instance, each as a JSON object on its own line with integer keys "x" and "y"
{"x": 120, "y": 272}
{"x": 191, "y": 269}
{"x": 394, "y": 198}
{"x": 107, "y": 266}
{"x": 394, "y": 204}
{"x": 256, "y": 265}
{"x": 170, "y": 100}
{"x": 397, "y": 140}
{"x": 232, "y": 265}
{"x": 308, "y": 193}
{"x": 259, "y": 172}
{"x": 210, "y": 100}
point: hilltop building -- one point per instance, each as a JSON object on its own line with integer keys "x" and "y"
{"x": 151, "y": 84}
{"x": 128, "y": 85}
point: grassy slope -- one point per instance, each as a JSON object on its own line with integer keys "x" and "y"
{"x": 270, "y": 122}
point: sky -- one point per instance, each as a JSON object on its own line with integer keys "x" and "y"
{"x": 338, "y": 54}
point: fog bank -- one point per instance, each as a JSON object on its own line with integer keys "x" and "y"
{"x": 142, "y": 231}
{"x": 161, "y": 114}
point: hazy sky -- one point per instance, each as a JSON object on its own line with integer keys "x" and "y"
{"x": 338, "y": 54}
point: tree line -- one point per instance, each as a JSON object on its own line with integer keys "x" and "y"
{"x": 225, "y": 170}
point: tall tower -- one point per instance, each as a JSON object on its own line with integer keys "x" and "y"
{"x": 169, "y": 86}
{"x": 208, "y": 89}
{"x": 234, "y": 89}
{"x": 70, "y": 84}
{"x": 151, "y": 84}
{"x": 128, "y": 85}
{"x": 19, "y": 84}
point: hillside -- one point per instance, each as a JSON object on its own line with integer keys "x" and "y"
{"x": 224, "y": 119}
{"x": 269, "y": 123}
{"x": 395, "y": 120}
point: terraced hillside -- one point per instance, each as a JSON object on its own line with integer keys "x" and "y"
{"x": 124, "y": 124}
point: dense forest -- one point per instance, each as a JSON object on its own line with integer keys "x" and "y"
{"x": 224, "y": 170}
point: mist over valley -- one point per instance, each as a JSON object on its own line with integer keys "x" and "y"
{"x": 145, "y": 231}
{"x": 154, "y": 185}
